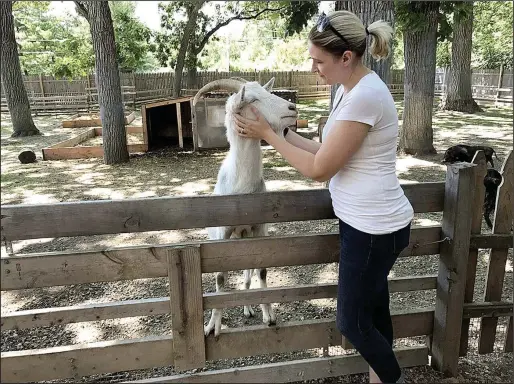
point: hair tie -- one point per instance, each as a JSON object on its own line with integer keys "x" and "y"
{"x": 367, "y": 32}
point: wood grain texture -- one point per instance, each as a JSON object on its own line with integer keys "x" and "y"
{"x": 179, "y": 127}
{"x": 484, "y": 310}
{"x": 165, "y": 213}
{"x": 86, "y": 152}
{"x": 502, "y": 224}
{"x": 478, "y": 189}
{"x": 161, "y": 305}
{"x": 452, "y": 271}
{"x": 120, "y": 355}
{"x": 296, "y": 370}
{"x": 63, "y": 268}
{"x": 186, "y": 303}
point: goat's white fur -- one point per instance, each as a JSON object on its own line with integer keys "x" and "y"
{"x": 241, "y": 172}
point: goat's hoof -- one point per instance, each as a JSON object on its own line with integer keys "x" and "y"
{"x": 248, "y": 311}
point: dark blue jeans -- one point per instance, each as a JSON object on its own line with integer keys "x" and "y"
{"x": 363, "y": 315}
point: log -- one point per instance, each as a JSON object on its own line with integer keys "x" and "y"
{"x": 27, "y": 157}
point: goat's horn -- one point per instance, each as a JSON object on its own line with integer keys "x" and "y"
{"x": 240, "y": 79}
{"x": 228, "y": 84}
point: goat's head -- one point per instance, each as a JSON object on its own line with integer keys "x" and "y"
{"x": 279, "y": 113}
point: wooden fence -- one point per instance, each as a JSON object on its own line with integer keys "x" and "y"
{"x": 48, "y": 94}
{"x": 456, "y": 242}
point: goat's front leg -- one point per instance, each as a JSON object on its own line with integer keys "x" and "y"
{"x": 268, "y": 315}
{"x": 215, "y": 322}
{"x": 248, "y": 310}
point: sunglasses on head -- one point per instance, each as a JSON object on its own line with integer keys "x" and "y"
{"x": 324, "y": 23}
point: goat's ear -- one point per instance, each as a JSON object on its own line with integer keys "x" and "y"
{"x": 240, "y": 98}
{"x": 269, "y": 85}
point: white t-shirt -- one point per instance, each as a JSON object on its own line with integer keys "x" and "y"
{"x": 366, "y": 193}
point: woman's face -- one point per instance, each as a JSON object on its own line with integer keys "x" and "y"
{"x": 332, "y": 69}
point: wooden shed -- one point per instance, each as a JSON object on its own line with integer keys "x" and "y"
{"x": 167, "y": 123}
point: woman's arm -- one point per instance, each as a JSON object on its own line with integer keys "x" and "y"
{"x": 301, "y": 142}
{"x": 342, "y": 142}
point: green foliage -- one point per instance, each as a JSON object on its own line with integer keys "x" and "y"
{"x": 50, "y": 45}
{"x": 492, "y": 34}
{"x": 132, "y": 36}
{"x": 61, "y": 46}
{"x": 492, "y": 30}
{"x": 443, "y": 54}
{"x": 297, "y": 15}
{"x": 261, "y": 46}
{"x": 213, "y": 16}
{"x": 411, "y": 15}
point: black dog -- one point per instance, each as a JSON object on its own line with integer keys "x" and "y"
{"x": 492, "y": 181}
{"x": 465, "y": 153}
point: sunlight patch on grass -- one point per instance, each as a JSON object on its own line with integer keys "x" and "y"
{"x": 508, "y": 266}
{"x": 89, "y": 178}
{"x": 283, "y": 185}
{"x": 138, "y": 195}
{"x": 85, "y": 333}
{"x": 426, "y": 222}
{"x": 324, "y": 303}
{"x": 327, "y": 275}
{"x": 35, "y": 198}
{"x": 194, "y": 187}
{"x": 105, "y": 193}
{"x": 404, "y": 164}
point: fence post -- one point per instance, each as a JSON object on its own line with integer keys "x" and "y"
{"x": 186, "y": 302}
{"x": 478, "y": 190}
{"x": 453, "y": 260}
{"x": 498, "y": 257}
{"x": 500, "y": 80}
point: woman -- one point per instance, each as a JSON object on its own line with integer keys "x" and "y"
{"x": 358, "y": 156}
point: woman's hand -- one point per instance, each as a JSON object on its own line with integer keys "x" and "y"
{"x": 255, "y": 129}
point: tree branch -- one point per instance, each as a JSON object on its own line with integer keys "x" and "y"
{"x": 82, "y": 9}
{"x": 239, "y": 16}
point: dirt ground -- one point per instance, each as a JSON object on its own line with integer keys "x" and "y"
{"x": 184, "y": 172}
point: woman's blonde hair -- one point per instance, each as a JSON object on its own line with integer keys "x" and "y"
{"x": 354, "y": 34}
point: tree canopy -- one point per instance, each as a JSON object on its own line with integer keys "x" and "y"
{"x": 61, "y": 45}
{"x": 212, "y": 17}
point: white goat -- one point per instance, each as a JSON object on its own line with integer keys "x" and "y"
{"x": 241, "y": 171}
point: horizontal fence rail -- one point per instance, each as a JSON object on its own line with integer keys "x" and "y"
{"x": 86, "y": 359}
{"x": 159, "y": 306}
{"x": 20, "y": 222}
{"x": 293, "y": 371}
{"x": 44, "y": 270}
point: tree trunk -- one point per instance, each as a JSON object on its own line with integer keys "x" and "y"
{"x": 369, "y": 12}
{"x": 458, "y": 96}
{"x": 416, "y": 136}
{"x": 184, "y": 44}
{"x": 108, "y": 83}
{"x": 14, "y": 89}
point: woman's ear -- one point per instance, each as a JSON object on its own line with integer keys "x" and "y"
{"x": 347, "y": 58}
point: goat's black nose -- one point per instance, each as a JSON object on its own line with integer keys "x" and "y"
{"x": 292, "y": 107}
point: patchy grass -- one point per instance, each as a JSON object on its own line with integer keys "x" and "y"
{"x": 178, "y": 173}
